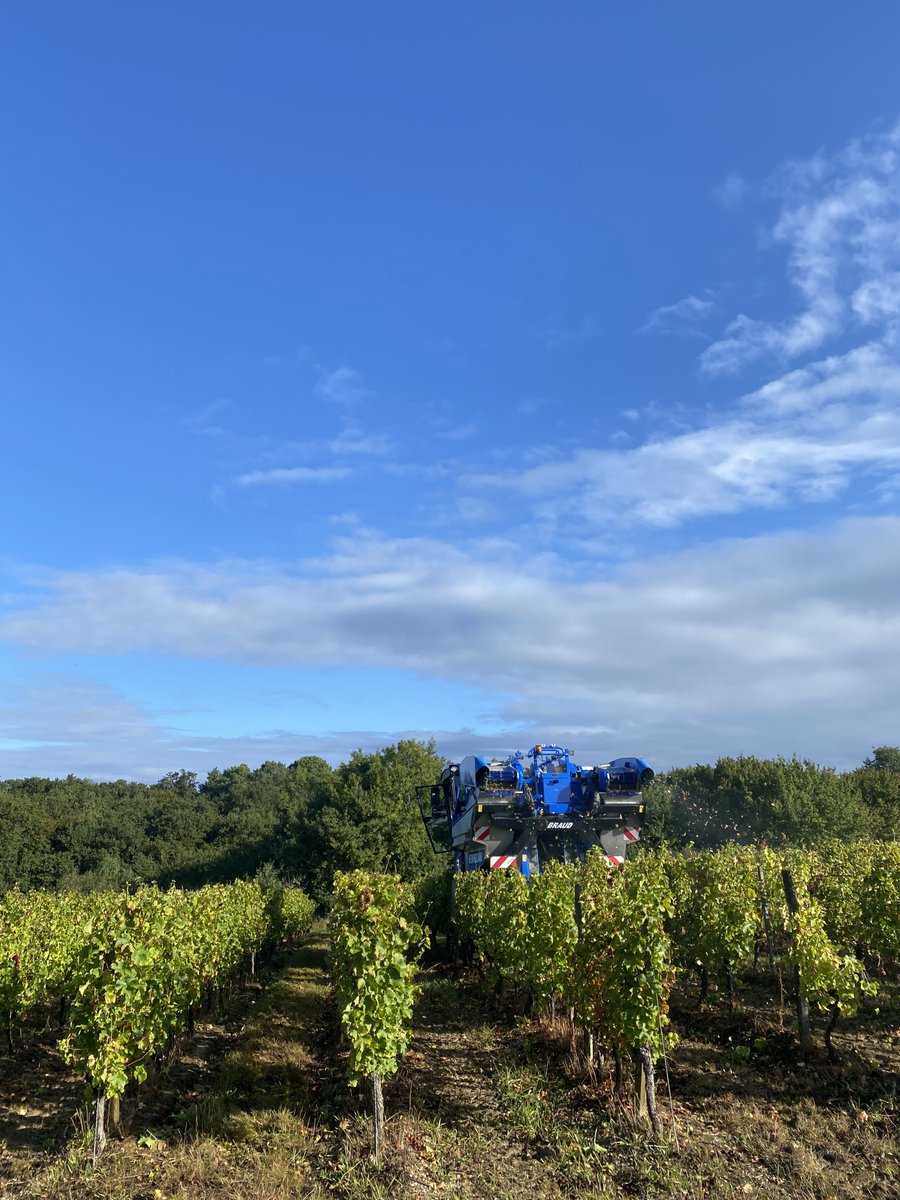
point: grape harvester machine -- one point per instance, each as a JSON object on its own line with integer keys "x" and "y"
{"x": 529, "y": 809}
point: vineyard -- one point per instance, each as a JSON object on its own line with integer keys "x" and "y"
{"x": 608, "y": 944}
{"x": 717, "y": 1023}
{"x": 128, "y": 970}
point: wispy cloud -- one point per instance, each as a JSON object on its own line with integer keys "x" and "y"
{"x": 840, "y": 224}
{"x": 273, "y": 462}
{"x": 870, "y": 373}
{"x": 808, "y": 434}
{"x": 457, "y": 432}
{"x": 557, "y": 336}
{"x": 205, "y": 421}
{"x": 732, "y": 191}
{"x": 724, "y": 469}
{"x": 683, "y": 317}
{"x": 233, "y": 446}
{"x": 355, "y": 442}
{"x": 802, "y": 438}
{"x": 343, "y": 386}
{"x": 291, "y": 476}
{"x": 878, "y": 300}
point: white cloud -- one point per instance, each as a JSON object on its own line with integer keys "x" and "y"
{"x": 459, "y": 432}
{"x": 805, "y": 436}
{"x": 840, "y": 223}
{"x": 343, "y": 385}
{"x": 271, "y": 462}
{"x": 204, "y": 420}
{"x": 732, "y": 191}
{"x": 683, "y": 317}
{"x": 289, "y": 476}
{"x": 801, "y": 438}
{"x": 878, "y": 299}
{"x": 355, "y": 442}
{"x": 870, "y": 373}
{"x": 767, "y": 645}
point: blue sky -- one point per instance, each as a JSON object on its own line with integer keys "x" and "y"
{"x": 487, "y": 372}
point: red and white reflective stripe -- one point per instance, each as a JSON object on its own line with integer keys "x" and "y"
{"x": 502, "y": 860}
{"x": 632, "y": 833}
{"x": 615, "y": 860}
{"x": 481, "y": 835}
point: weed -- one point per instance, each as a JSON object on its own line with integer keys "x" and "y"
{"x": 525, "y": 1090}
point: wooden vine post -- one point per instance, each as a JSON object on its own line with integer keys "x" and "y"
{"x": 99, "y": 1124}
{"x": 377, "y": 1112}
{"x": 645, "y": 1087}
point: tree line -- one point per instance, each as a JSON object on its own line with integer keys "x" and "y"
{"x": 301, "y": 821}
{"x": 306, "y": 820}
{"x": 777, "y": 801}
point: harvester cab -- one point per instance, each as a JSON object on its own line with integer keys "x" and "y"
{"x": 533, "y": 808}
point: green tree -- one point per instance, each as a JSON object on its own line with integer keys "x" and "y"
{"x": 371, "y": 821}
{"x": 774, "y": 800}
{"x": 884, "y": 758}
{"x": 877, "y": 785}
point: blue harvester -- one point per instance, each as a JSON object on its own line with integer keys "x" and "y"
{"x": 536, "y": 807}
